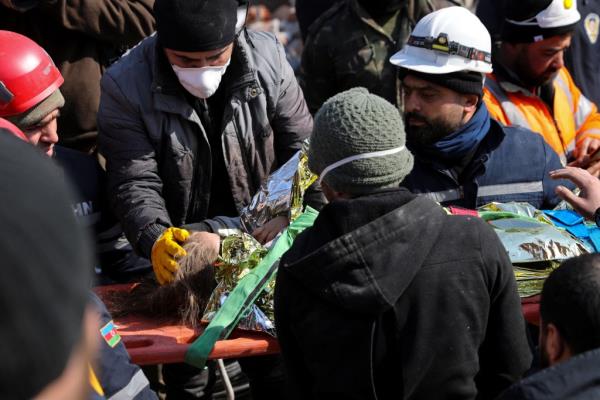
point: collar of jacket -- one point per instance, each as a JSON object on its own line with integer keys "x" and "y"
{"x": 479, "y": 158}
{"x": 350, "y": 256}
{"x": 367, "y": 19}
{"x": 576, "y": 378}
{"x": 454, "y": 148}
{"x": 510, "y": 82}
{"x": 244, "y": 84}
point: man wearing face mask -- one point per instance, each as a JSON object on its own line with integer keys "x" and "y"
{"x": 350, "y": 45}
{"x": 191, "y": 122}
{"x": 462, "y": 156}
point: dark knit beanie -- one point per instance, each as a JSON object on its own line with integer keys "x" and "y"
{"x": 352, "y": 123}
{"x": 195, "y": 25}
{"x": 465, "y": 82}
{"x": 529, "y": 21}
{"x": 47, "y": 266}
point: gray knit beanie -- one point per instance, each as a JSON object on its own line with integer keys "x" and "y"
{"x": 356, "y": 122}
{"x": 37, "y": 113}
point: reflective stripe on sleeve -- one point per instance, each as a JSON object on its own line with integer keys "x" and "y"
{"x": 137, "y": 383}
{"x": 510, "y": 188}
{"x": 565, "y": 88}
{"x": 584, "y": 109}
{"x": 514, "y": 115}
{"x": 591, "y": 132}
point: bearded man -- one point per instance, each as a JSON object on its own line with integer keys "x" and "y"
{"x": 462, "y": 156}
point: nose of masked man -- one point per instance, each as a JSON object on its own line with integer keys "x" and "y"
{"x": 200, "y": 73}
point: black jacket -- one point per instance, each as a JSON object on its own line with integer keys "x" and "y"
{"x": 158, "y": 156}
{"x": 575, "y": 379}
{"x": 386, "y": 296}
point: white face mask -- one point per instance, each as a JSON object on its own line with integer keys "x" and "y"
{"x": 201, "y": 82}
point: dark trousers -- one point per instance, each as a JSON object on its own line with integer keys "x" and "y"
{"x": 265, "y": 375}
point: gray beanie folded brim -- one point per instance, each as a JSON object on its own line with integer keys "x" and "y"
{"x": 36, "y": 114}
{"x": 356, "y": 122}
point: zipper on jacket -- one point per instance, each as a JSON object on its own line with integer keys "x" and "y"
{"x": 243, "y": 155}
{"x": 193, "y": 208}
{"x": 372, "y": 349}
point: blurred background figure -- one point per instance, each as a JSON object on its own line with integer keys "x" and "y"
{"x": 83, "y": 38}
{"x": 281, "y": 20}
{"x": 351, "y": 43}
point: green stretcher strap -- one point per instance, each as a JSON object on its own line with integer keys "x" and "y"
{"x": 246, "y": 292}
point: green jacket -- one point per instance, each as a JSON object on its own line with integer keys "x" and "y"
{"x": 346, "y": 48}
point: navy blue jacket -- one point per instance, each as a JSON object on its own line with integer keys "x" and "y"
{"x": 510, "y": 164}
{"x": 574, "y": 379}
{"x": 583, "y": 56}
{"x": 119, "y": 378}
{"x": 116, "y": 258}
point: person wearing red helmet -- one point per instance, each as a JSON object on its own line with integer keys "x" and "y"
{"x": 29, "y": 90}
{"x": 30, "y": 98}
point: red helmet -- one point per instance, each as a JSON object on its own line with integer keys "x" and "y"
{"x": 27, "y": 74}
{"x": 4, "y": 124}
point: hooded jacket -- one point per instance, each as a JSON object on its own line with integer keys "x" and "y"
{"x": 388, "y": 297}
{"x": 574, "y": 379}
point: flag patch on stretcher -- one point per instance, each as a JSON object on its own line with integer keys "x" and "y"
{"x": 110, "y": 335}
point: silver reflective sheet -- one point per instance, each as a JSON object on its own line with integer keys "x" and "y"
{"x": 528, "y": 235}
{"x": 273, "y": 198}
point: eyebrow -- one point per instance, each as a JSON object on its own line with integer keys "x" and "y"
{"x": 215, "y": 56}
{"x": 425, "y": 87}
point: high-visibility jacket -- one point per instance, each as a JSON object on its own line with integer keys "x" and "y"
{"x": 572, "y": 119}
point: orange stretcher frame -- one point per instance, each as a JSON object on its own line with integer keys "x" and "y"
{"x": 151, "y": 342}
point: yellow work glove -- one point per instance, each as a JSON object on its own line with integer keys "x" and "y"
{"x": 165, "y": 251}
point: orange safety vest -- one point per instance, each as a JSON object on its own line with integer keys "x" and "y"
{"x": 573, "y": 119}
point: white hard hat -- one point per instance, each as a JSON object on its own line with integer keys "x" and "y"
{"x": 536, "y": 21}
{"x": 448, "y": 40}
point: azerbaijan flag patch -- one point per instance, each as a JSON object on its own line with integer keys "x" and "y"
{"x": 110, "y": 335}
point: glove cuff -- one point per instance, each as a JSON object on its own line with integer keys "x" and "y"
{"x": 148, "y": 237}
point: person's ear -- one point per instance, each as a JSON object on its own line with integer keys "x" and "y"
{"x": 331, "y": 194}
{"x": 470, "y": 102}
{"x": 555, "y": 347}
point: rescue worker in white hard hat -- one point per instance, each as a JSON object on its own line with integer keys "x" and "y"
{"x": 462, "y": 156}
{"x": 531, "y": 86}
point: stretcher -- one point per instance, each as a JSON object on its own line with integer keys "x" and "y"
{"x": 531, "y": 309}
{"x": 151, "y": 342}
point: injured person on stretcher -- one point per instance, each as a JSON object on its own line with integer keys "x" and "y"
{"x": 207, "y": 272}
{"x": 217, "y": 253}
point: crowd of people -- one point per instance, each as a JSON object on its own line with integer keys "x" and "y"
{"x": 129, "y": 126}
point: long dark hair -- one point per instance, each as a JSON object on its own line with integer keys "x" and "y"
{"x": 184, "y": 299}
